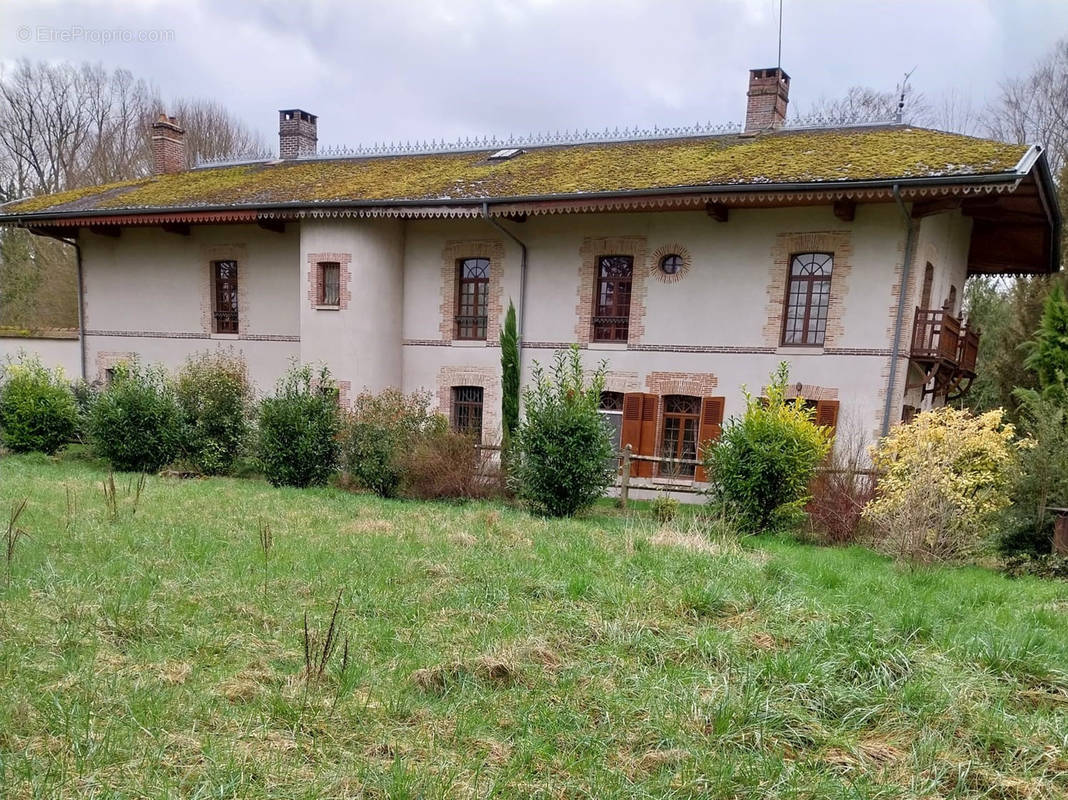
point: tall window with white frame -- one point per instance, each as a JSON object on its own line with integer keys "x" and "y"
{"x": 467, "y": 411}
{"x": 329, "y": 283}
{"x": 611, "y": 302}
{"x": 808, "y": 296}
{"x": 472, "y": 301}
{"x": 224, "y": 307}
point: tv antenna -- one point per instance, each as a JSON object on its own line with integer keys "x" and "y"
{"x": 901, "y": 100}
{"x": 778, "y": 64}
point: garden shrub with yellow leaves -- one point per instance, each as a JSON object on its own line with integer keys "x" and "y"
{"x": 944, "y": 477}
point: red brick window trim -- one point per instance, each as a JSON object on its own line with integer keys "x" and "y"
{"x": 591, "y": 253}
{"x": 788, "y": 245}
{"x": 329, "y": 276}
{"x": 460, "y": 318}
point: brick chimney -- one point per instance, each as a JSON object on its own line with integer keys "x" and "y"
{"x": 168, "y": 146}
{"x": 769, "y": 92}
{"x": 297, "y": 133}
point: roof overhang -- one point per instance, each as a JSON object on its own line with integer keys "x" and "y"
{"x": 1016, "y": 219}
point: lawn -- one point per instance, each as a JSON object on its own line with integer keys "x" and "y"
{"x": 493, "y": 654}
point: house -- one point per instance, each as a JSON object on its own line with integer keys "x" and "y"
{"x": 691, "y": 260}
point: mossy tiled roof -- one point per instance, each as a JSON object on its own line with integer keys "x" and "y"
{"x": 833, "y": 155}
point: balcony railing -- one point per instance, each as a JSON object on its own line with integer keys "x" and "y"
{"x": 945, "y": 349}
{"x": 226, "y": 322}
{"x": 936, "y": 335}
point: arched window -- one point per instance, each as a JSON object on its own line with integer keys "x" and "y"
{"x": 472, "y": 299}
{"x": 807, "y": 299}
{"x": 928, "y": 281}
{"x": 682, "y": 415}
{"x": 952, "y": 299}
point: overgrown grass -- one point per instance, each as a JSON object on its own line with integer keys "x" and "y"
{"x": 489, "y": 653}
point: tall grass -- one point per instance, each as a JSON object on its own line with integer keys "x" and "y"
{"x": 494, "y": 654}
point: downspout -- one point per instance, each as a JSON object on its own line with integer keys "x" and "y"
{"x": 81, "y": 305}
{"x": 521, "y": 317}
{"x": 895, "y": 347}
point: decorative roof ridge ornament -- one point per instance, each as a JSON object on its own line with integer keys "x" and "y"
{"x": 614, "y": 135}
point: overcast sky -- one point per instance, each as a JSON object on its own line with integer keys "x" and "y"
{"x": 404, "y": 69}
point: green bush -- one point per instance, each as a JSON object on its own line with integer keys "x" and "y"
{"x": 665, "y": 508}
{"x": 37, "y": 408}
{"x": 763, "y": 463}
{"x": 85, "y": 395}
{"x": 215, "y": 398}
{"x": 1046, "y": 565}
{"x": 135, "y": 423}
{"x": 298, "y": 429}
{"x": 559, "y": 462}
{"x": 379, "y": 432}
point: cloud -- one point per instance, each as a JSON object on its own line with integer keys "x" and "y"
{"x": 377, "y": 70}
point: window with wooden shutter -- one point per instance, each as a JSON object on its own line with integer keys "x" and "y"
{"x": 682, "y": 417}
{"x": 639, "y": 430}
{"x": 827, "y": 413}
{"x": 711, "y": 428}
{"x": 631, "y": 432}
{"x": 650, "y": 407}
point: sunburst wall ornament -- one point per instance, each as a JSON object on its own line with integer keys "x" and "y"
{"x": 669, "y": 263}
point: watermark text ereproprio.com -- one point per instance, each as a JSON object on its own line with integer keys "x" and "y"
{"x": 72, "y": 34}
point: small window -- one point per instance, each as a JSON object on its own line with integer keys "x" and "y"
{"x": 109, "y": 376}
{"x": 472, "y": 298}
{"x": 611, "y": 310}
{"x": 951, "y": 301}
{"x": 928, "y": 282}
{"x": 682, "y": 415}
{"x": 807, "y": 300}
{"x": 329, "y": 283}
{"x": 467, "y": 411}
{"x": 224, "y": 277}
{"x": 671, "y": 264}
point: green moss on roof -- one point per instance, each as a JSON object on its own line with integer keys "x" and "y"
{"x": 784, "y": 157}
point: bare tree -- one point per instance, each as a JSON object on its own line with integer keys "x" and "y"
{"x": 1034, "y": 109}
{"x": 864, "y": 104}
{"x": 954, "y": 111}
{"x": 63, "y": 126}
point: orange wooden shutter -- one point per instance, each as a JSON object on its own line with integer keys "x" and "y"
{"x": 710, "y": 428}
{"x": 827, "y": 413}
{"x": 650, "y": 404}
{"x": 632, "y": 423}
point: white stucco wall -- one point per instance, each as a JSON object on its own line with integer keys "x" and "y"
{"x": 361, "y": 343}
{"x": 148, "y": 292}
{"x": 63, "y": 353}
{"x": 722, "y": 301}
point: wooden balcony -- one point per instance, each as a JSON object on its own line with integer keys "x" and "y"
{"x": 945, "y": 350}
